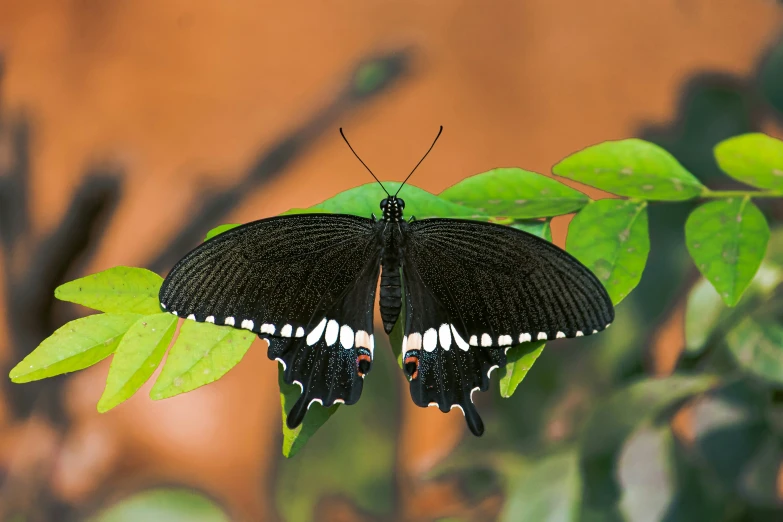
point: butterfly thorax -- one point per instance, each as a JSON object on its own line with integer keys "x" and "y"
{"x": 393, "y": 226}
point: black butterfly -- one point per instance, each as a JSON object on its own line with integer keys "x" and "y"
{"x": 307, "y": 282}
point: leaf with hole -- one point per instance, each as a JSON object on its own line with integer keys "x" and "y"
{"x": 118, "y": 290}
{"x": 634, "y": 168}
{"x": 755, "y": 159}
{"x": 516, "y": 193}
{"x": 202, "y": 353}
{"x": 727, "y": 240}
{"x": 610, "y": 237}
{"x": 74, "y": 346}
{"x": 136, "y": 358}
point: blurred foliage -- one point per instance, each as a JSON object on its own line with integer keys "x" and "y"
{"x": 163, "y": 505}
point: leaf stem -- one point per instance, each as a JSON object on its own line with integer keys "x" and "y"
{"x": 741, "y": 194}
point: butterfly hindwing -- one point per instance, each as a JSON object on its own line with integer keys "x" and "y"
{"x": 475, "y": 289}
{"x": 443, "y": 369}
{"x": 291, "y": 280}
{"x": 329, "y": 363}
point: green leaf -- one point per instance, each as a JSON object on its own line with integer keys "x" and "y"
{"x": 317, "y": 415}
{"x": 520, "y": 360}
{"x": 202, "y": 353}
{"x": 727, "y": 240}
{"x": 117, "y": 290}
{"x": 734, "y": 416}
{"x": 705, "y": 310}
{"x": 647, "y": 474}
{"x": 634, "y": 168}
{"x": 163, "y": 505}
{"x": 760, "y": 479}
{"x": 614, "y": 420}
{"x": 616, "y": 417}
{"x": 220, "y": 229}
{"x": 610, "y": 237}
{"x": 74, "y": 346}
{"x": 757, "y": 344}
{"x": 364, "y": 200}
{"x": 547, "y": 491}
{"x": 541, "y": 229}
{"x": 136, "y": 358}
{"x": 755, "y": 159}
{"x": 515, "y": 193}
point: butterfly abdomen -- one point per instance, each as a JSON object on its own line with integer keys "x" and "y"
{"x": 391, "y": 292}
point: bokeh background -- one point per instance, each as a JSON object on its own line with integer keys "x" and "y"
{"x": 129, "y": 129}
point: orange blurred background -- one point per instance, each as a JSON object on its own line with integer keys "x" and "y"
{"x": 183, "y": 97}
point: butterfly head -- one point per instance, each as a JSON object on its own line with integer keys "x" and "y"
{"x": 392, "y": 208}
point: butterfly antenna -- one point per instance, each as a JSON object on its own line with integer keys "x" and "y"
{"x": 363, "y": 163}
{"x": 422, "y": 159}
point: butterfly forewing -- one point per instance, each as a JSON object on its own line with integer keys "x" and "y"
{"x": 304, "y": 282}
{"x": 475, "y": 289}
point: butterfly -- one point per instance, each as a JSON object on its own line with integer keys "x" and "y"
{"x": 307, "y": 282}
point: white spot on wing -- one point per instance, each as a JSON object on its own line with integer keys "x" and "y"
{"x": 504, "y": 340}
{"x": 229, "y": 321}
{"x": 459, "y": 340}
{"x": 457, "y": 406}
{"x": 433, "y": 405}
{"x": 299, "y": 332}
{"x": 162, "y": 306}
{"x": 560, "y": 335}
{"x": 414, "y": 341}
{"x": 210, "y": 319}
{"x": 579, "y": 333}
{"x": 595, "y": 331}
{"x": 332, "y": 328}
{"x": 301, "y": 388}
{"x": 247, "y": 324}
{"x": 281, "y": 361}
{"x": 346, "y": 337}
{"x": 541, "y": 336}
{"x": 486, "y": 340}
{"x": 319, "y": 401}
{"x": 339, "y": 401}
{"x": 473, "y": 340}
{"x": 430, "y": 339}
{"x": 525, "y": 338}
{"x": 492, "y": 369}
{"x": 444, "y": 335}
{"x": 285, "y": 331}
{"x": 270, "y": 329}
{"x": 316, "y": 333}
{"x": 471, "y": 392}
{"x": 192, "y": 317}
{"x": 364, "y": 340}
{"x": 174, "y": 312}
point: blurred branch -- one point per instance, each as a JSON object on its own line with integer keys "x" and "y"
{"x": 14, "y": 169}
{"x": 30, "y": 295}
{"x": 372, "y": 77}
